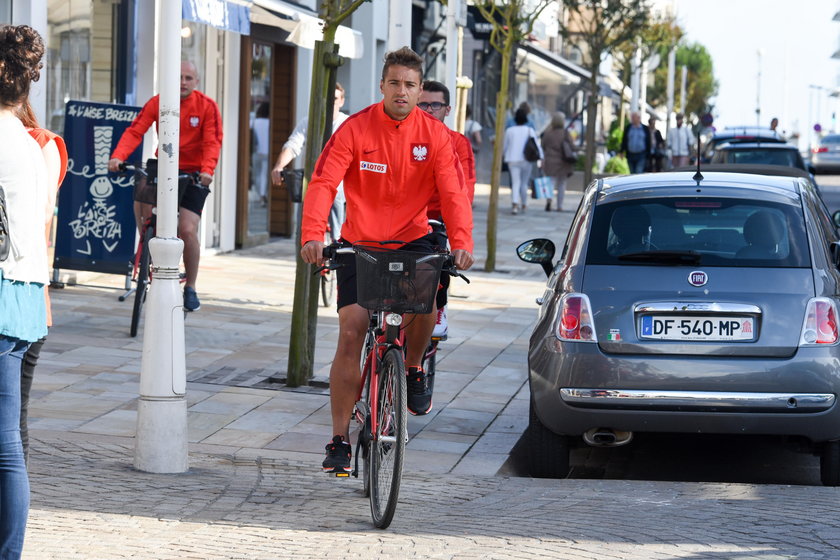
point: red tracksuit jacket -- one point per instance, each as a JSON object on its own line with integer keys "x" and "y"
{"x": 200, "y": 136}
{"x": 391, "y": 169}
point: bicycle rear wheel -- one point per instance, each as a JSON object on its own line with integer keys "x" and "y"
{"x": 387, "y": 450}
{"x": 142, "y": 281}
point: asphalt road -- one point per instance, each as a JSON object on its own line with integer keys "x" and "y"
{"x": 830, "y": 189}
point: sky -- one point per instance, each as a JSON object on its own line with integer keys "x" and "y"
{"x": 796, "y": 39}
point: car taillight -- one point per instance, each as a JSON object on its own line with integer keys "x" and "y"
{"x": 574, "y": 321}
{"x": 820, "y": 323}
{"x": 819, "y": 150}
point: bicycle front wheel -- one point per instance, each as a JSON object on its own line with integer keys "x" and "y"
{"x": 387, "y": 450}
{"x": 142, "y": 282}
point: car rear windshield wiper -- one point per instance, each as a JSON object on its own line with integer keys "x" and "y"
{"x": 663, "y": 257}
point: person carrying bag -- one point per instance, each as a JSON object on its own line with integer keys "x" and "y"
{"x": 560, "y": 158}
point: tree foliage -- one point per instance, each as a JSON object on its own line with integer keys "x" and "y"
{"x": 512, "y": 21}
{"x": 599, "y": 27}
{"x": 701, "y": 85}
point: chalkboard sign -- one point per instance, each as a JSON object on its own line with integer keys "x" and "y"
{"x": 95, "y": 229}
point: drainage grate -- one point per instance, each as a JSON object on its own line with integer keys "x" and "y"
{"x": 258, "y": 378}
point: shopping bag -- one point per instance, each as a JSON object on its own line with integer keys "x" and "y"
{"x": 543, "y": 187}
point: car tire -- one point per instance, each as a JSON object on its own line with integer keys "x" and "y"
{"x": 548, "y": 453}
{"x": 830, "y": 463}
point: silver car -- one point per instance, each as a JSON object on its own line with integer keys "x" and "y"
{"x": 825, "y": 158}
{"x": 691, "y": 304}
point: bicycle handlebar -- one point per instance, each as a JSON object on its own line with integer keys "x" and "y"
{"x": 194, "y": 176}
{"x": 334, "y": 249}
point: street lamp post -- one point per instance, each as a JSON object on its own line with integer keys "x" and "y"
{"x": 759, "y": 53}
{"x": 161, "y": 438}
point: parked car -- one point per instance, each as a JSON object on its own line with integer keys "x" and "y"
{"x": 786, "y": 155}
{"x": 736, "y": 135}
{"x": 688, "y": 304}
{"x": 825, "y": 158}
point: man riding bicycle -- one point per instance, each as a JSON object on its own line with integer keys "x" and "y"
{"x": 392, "y": 158}
{"x": 434, "y": 99}
{"x": 199, "y": 145}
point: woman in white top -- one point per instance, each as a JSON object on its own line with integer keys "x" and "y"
{"x": 23, "y": 274}
{"x": 514, "y": 155}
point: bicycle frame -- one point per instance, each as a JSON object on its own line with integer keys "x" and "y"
{"x": 385, "y": 335}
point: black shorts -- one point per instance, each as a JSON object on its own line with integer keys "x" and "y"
{"x": 194, "y": 197}
{"x": 346, "y": 274}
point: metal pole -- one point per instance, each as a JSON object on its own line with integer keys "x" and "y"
{"x": 682, "y": 89}
{"x": 643, "y": 90}
{"x": 161, "y": 442}
{"x": 635, "y": 79}
{"x": 451, "y": 58}
{"x": 672, "y": 60}
{"x": 758, "y": 92}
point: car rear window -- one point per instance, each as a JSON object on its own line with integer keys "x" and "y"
{"x": 831, "y": 139}
{"x": 763, "y": 157}
{"x": 699, "y": 230}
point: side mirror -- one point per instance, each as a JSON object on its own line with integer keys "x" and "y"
{"x": 812, "y": 170}
{"x": 541, "y": 252}
{"x": 836, "y": 218}
{"x": 835, "y": 247}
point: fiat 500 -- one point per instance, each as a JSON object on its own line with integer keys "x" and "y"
{"x": 688, "y": 303}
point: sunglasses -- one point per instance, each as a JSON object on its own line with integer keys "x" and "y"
{"x": 435, "y": 106}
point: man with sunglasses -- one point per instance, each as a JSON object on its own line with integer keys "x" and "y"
{"x": 434, "y": 99}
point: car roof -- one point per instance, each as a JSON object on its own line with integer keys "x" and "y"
{"x": 756, "y": 184}
{"x": 757, "y": 146}
{"x": 749, "y": 168}
{"x": 732, "y": 131}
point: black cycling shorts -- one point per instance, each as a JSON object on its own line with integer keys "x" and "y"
{"x": 346, "y": 274}
{"x": 194, "y": 197}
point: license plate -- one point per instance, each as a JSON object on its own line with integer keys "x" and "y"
{"x": 665, "y": 327}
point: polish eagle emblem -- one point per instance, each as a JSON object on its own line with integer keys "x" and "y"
{"x": 420, "y": 152}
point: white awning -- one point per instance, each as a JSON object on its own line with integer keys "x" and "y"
{"x": 304, "y": 26}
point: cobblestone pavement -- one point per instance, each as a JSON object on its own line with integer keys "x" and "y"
{"x": 254, "y": 491}
{"x": 88, "y": 503}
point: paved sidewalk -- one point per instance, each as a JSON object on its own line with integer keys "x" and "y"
{"x": 254, "y": 489}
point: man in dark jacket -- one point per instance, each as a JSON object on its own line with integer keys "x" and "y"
{"x": 657, "y": 146}
{"x": 635, "y": 144}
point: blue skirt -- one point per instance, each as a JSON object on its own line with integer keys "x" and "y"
{"x": 23, "y": 310}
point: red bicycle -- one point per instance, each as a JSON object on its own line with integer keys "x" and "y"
{"x": 390, "y": 283}
{"x": 145, "y": 191}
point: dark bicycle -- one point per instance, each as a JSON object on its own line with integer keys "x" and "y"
{"x": 389, "y": 284}
{"x": 145, "y": 191}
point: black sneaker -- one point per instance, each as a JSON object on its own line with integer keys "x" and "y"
{"x": 420, "y": 386}
{"x": 191, "y": 302}
{"x": 338, "y": 456}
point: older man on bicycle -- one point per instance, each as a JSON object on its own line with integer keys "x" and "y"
{"x": 392, "y": 158}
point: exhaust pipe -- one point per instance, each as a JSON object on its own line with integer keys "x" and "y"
{"x": 606, "y": 437}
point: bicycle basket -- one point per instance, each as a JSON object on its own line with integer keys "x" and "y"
{"x": 145, "y": 184}
{"x": 397, "y": 281}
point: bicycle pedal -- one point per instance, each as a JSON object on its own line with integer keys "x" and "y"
{"x": 338, "y": 474}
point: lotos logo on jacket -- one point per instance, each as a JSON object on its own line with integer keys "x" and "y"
{"x": 420, "y": 152}
{"x": 375, "y": 167}
{"x": 194, "y": 121}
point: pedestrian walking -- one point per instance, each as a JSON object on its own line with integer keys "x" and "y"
{"x": 680, "y": 140}
{"x": 55, "y": 156}
{"x": 560, "y": 157}
{"x": 635, "y": 143}
{"x": 513, "y": 150}
{"x": 657, "y": 147}
{"x": 23, "y": 273}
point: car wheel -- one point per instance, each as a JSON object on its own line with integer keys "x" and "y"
{"x": 830, "y": 463}
{"x": 548, "y": 453}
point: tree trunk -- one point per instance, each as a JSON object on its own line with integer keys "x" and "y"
{"x": 496, "y": 170}
{"x": 305, "y": 303}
